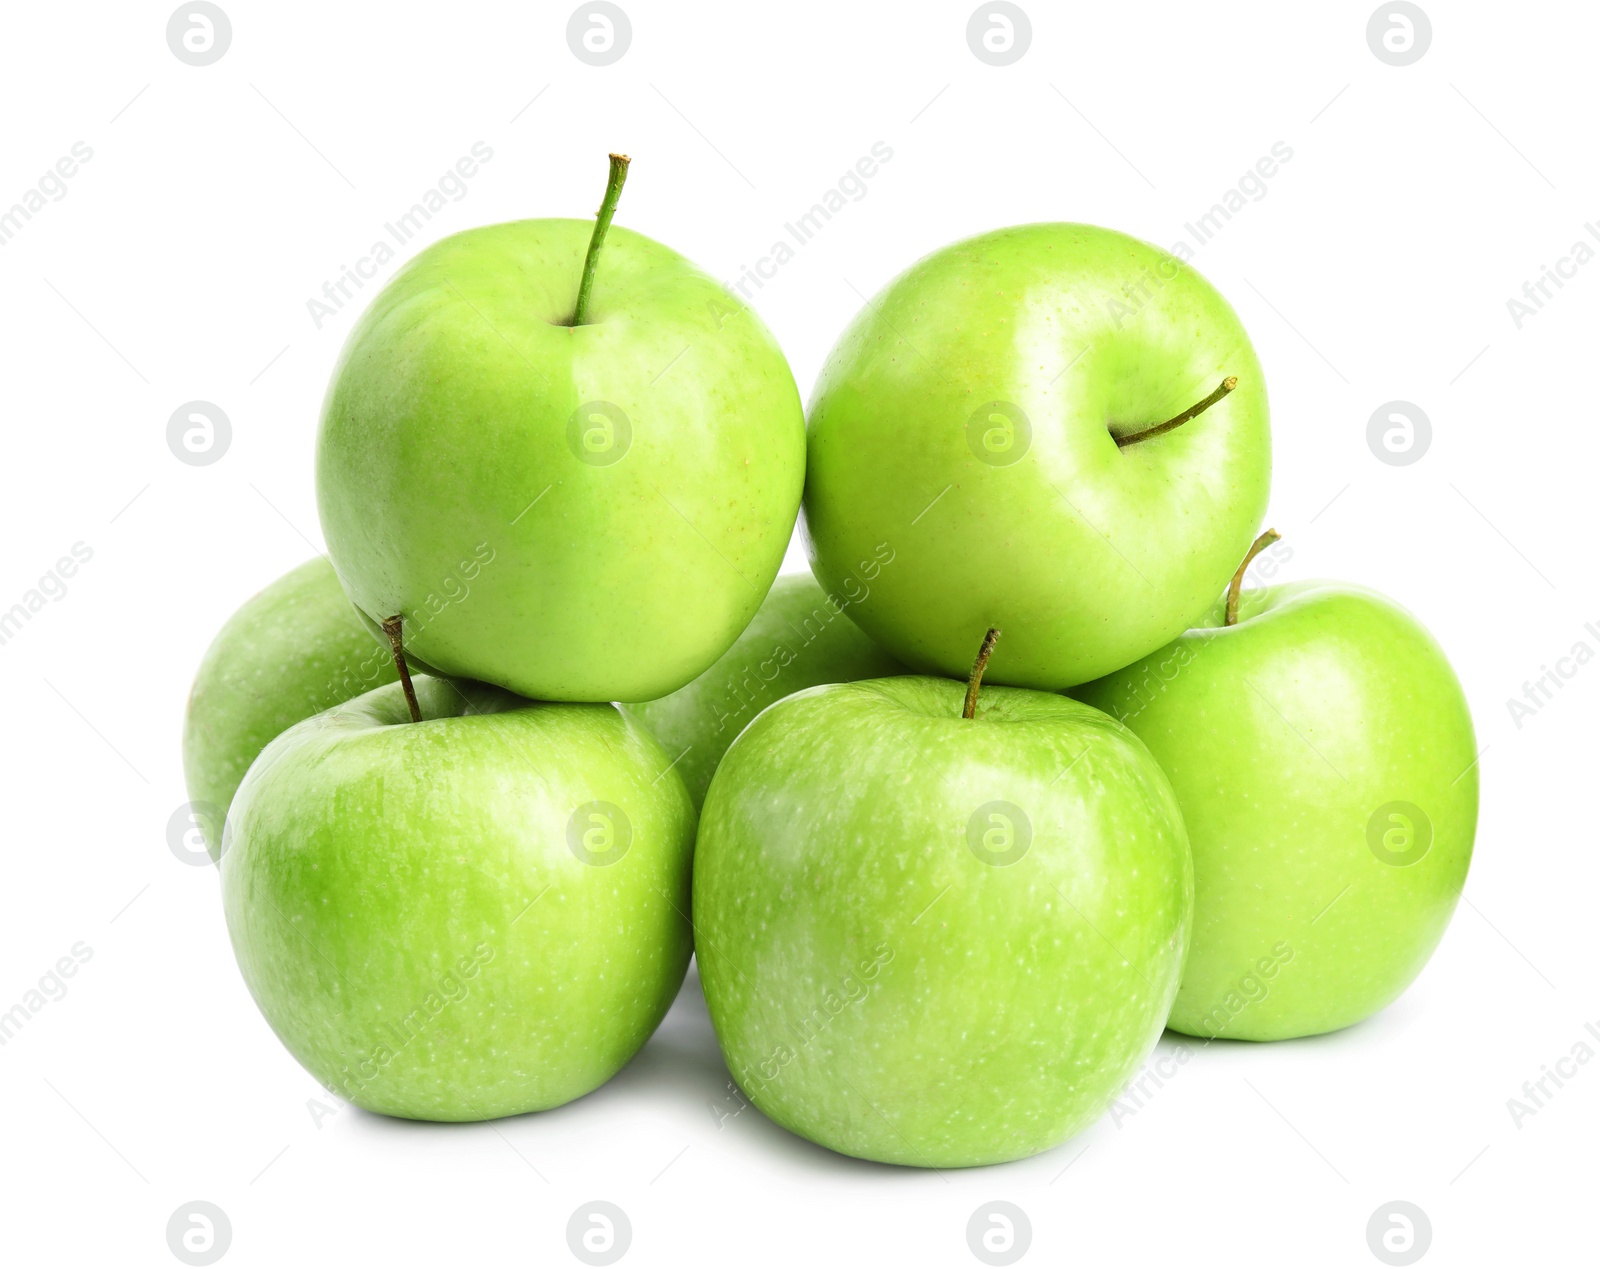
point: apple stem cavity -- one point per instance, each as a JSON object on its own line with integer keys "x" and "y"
{"x": 984, "y": 650}
{"x": 608, "y": 208}
{"x": 1198, "y": 408}
{"x": 391, "y": 627}
{"x": 1230, "y": 616}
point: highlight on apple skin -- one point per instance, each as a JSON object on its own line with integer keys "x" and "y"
{"x": 934, "y": 940}
{"x": 475, "y": 915}
{"x": 1324, "y": 757}
{"x": 291, "y": 651}
{"x": 1038, "y": 421}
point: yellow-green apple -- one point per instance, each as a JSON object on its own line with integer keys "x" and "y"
{"x": 1058, "y": 430}
{"x": 1323, "y": 755}
{"x": 477, "y": 914}
{"x": 621, "y": 470}
{"x": 932, "y": 939}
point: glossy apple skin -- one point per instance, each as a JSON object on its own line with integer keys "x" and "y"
{"x": 1087, "y": 556}
{"x": 879, "y": 988}
{"x": 294, "y": 650}
{"x": 453, "y": 488}
{"x": 413, "y": 919}
{"x": 1285, "y": 736}
{"x": 800, "y": 638}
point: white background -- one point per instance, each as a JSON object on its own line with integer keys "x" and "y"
{"x": 1376, "y": 267}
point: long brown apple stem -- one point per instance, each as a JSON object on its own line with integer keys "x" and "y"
{"x": 391, "y": 627}
{"x": 1231, "y": 614}
{"x": 608, "y": 209}
{"x": 984, "y": 649}
{"x": 1198, "y": 408}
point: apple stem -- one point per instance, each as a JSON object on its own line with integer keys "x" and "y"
{"x": 1231, "y": 615}
{"x": 971, "y": 706}
{"x": 1199, "y": 407}
{"x": 391, "y": 627}
{"x": 608, "y": 208}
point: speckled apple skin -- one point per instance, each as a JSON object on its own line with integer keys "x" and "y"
{"x": 1087, "y": 555}
{"x": 451, "y": 491}
{"x": 411, "y": 919}
{"x": 800, "y": 638}
{"x": 293, "y": 650}
{"x": 1284, "y": 735}
{"x": 879, "y": 988}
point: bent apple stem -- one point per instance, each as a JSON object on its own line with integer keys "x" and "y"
{"x": 1231, "y": 615}
{"x": 608, "y": 208}
{"x": 1198, "y": 408}
{"x": 391, "y": 627}
{"x": 971, "y": 706}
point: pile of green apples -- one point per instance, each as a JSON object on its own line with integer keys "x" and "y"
{"x": 1023, "y": 777}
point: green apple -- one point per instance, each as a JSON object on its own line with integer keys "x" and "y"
{"x": 935, "y": 940}
{"x": 621, "y": 487}
{"x": 1037, "y": 423}
{"x": 1323, "y": 754}
{"x": 292, "y": 651}
{"x": 474, "y": 915}
{"x": 800, "y": 637}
